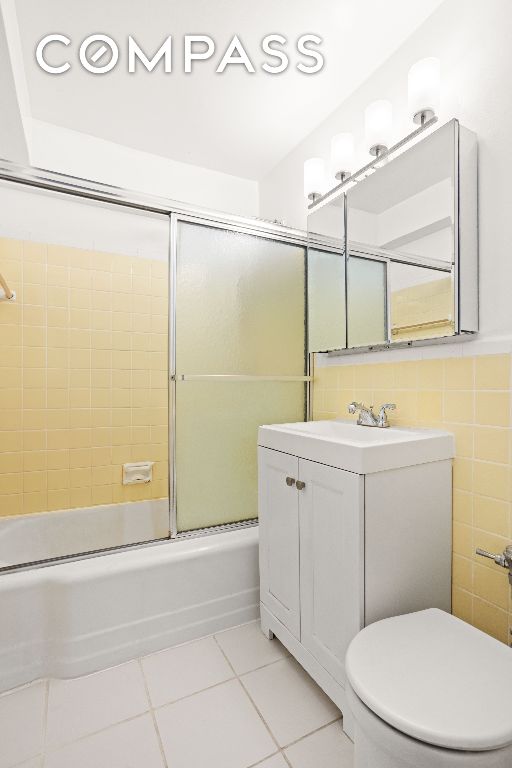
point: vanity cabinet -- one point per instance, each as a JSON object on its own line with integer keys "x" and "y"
{"x": 340, "y": 549}
{"x": 311, "y": 552}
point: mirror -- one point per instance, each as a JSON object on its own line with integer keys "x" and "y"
{"x": 410, "y": 272}
{"x": 421, "y": 302}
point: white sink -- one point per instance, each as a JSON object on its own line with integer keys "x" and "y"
{"x": 346, "y": 445}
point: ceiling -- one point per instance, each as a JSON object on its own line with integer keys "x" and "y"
{"x": 236, "y": 123}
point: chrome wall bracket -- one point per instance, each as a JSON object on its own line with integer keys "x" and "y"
{"x": 504, "y": 560}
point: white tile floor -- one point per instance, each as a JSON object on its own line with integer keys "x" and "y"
{"x": 233, "y": 700}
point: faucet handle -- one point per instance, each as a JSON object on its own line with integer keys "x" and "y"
{"x": 383, "y": 417}
{"x": 353, "y": 406}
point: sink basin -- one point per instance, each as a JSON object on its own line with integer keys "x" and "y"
{"x": 346, "y": 445}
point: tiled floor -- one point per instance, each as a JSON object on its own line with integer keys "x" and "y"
{"x": 233, "y": 700}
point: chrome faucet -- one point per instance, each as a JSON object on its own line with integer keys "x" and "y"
{"x": 367, "y": 418}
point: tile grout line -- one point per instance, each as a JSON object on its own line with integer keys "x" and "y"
{"x": 317, "y": 730}
{"x": 152, "y": 710}
{"x": 152, "y": 713}
{"x": 45, "y": 716}
{"x": 44, "y": 720}
{"x": 260, "y": 715}
{"x": 57, "y": 747}
{"x": 295, "y": 741}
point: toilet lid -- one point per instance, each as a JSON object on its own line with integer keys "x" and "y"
{"x": 435, "y": 678}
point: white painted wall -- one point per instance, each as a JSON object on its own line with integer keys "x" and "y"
{"x": 12, "y": 137}
{"x": 72, "y": 152}
{"x": 48, "y": 217}
{"x": 78, "y": 154}
{"x": 472, "y": 40}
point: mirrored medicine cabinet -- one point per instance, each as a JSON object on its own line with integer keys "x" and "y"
{"x": 393, "y": 258}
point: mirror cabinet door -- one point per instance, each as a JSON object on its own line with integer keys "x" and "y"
{"x": 327, "y": 278}
{"x": 403, "y": 214}
{"x": 421, "y": 302}
{"x": 394, "y": 259}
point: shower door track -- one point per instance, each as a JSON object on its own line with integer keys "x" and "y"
{"x": 193, "y": 534}
{"x": 89, "y": 190}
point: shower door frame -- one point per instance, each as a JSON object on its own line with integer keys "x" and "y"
{"x": 104, "y": 193}
{"x": 287, "y": 236}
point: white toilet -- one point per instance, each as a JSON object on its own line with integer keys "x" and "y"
{"x": 427, "y": 690}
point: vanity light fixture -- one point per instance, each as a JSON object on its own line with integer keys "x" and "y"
{"x": 314, "y": 178}
{"x": 378, "y": 122}
{"x": 424, "y": 85}
{"x": 342, "y": 155}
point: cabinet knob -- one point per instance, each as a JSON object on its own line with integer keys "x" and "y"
{"x": 290, "y": 481}
{"x": 300, "y": 485}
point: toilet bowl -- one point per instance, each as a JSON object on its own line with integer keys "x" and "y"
{"x": 427, "y": 690}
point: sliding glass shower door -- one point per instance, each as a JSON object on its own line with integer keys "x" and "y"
{"x": 239, "y": 361}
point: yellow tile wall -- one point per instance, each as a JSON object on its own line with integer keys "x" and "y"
{"x": 470, "y": 397}
{"x": 83, "y": 377}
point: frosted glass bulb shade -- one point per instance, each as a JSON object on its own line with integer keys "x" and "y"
{"x": 342, "y": 155}
{"x": 378, "y": 122}
{"x": 314, "y": 178}
{"x": 424, "y": 85}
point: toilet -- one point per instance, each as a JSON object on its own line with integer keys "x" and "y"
{"x": 427, "y": 690}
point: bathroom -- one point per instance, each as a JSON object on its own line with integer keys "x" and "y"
{"x": 169, "y": 596}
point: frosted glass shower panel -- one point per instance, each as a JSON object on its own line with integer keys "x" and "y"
{"x": 240, "y": 363}
{"x": 216, "y": 445}
{"x": 239, "y": 303}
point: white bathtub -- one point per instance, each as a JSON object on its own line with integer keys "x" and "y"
{"x": 77, "y": 617}
{"x": 47, "y": 535}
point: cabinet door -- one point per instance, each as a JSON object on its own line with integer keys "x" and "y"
{"x": 331, "y": 567}
{"x": 279, "y": 537}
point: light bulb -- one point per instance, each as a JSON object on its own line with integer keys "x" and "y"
{"x": 378, "y": 121}
{"x": 424, "y": 85}
{"x": 314, "y": 178}
{"x": 342, "y": 155}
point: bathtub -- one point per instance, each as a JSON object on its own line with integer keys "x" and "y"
{"x": 47, "y": 535}
{"x": 78, "y": 617}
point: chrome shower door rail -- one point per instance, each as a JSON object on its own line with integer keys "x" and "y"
{"x": 235, "y": 377}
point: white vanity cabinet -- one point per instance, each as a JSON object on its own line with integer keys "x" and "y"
{"x": 341, "y": 547}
